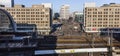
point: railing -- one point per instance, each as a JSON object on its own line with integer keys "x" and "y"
{"x": 16, "y": 45}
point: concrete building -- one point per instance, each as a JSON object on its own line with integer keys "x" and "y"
{"x": 64, "y": 12}
{"x": 7, "y": 3}
{"x": 48, "y": 5}
{"x": 37, "y": 14}
{"x": 92, "y": 4}
{"x": 100, "y": 19}
{"x": 78, "y": 17}
{"x": 56, "y": 16}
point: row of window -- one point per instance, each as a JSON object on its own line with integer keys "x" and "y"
{"x": 103, "y": 15}
{"x": 32, "y": 15}
{"x": 30, "y": 19}
{"x": 106, "y": 22}
{"x": 103, "y": 12}
{"x": 40, "y": 9}
{"x": 100, "y": 19}
{"x": 102, "y": 26}
{"x": 28, "y": 12}
{"x": 106, "y": 9}
{"x": 42, "y": 22}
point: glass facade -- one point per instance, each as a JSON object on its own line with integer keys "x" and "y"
{"x": 6, "y": 22}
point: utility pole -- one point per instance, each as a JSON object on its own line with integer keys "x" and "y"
{"x": 110, "y": 44}
{"x": 93, "y": 39}
{"x": 92, "y": 44}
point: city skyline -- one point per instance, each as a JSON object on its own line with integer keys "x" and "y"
{"x": 75, "y": 5}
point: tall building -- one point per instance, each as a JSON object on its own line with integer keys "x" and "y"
{"x": 64, "y": 12}
{"x": 56, "y": 16}
{"x": 102, "y": 19}
{"x": 37, "y": 14}
{"x": 48, "y": 5}
{"x": 7, "y": 3}
{"x": 92, "y": 4}
{"x": 78, "y": 17}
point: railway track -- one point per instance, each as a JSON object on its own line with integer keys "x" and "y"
{"x": 73, "y": 42}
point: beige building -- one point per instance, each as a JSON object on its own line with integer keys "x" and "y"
{"x": 37, "y": 14}
{"x": 97, "y": 19}
{"x": 64, "y": 12}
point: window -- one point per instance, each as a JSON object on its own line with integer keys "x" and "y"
{"x": 99, "y": 12}
{"x": 94, "y": 12}
{"x": 89, "y": 9}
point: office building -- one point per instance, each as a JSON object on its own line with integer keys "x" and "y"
{"x": 37, "y": 14}
{"x": 7, "y": 3}
{"x": 48, "y": 5}
{"x": 64, "y": 12}
{"x": 92, "y": 4}
{"x": 56, "y": 16}
{"x": 78, "y": 17}
{"x": 102, "y": 19}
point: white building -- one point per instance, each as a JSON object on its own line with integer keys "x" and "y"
{"x": 78, "y": 17}
{"x": 7, "y": 3}
{"x": 64, "y": 12}
{"x": 102, "y": 19}
{"x": 90, "y": 4}
{"x": 48, "y": 5}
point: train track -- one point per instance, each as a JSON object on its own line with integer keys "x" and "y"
{"x": 67, "y": 42}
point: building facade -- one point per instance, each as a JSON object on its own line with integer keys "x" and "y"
{"x": 48, "y": 5}
{"x": 64, "y": 12}
{"x": 100, "y": 19}
{"x": 37, "y": 14}
{"x": 78, "y": 17}
{"x": 56, "y": 16}
{"x": 7, "y": 3}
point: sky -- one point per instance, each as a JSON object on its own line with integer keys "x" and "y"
{"x": 75, "y": 5}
